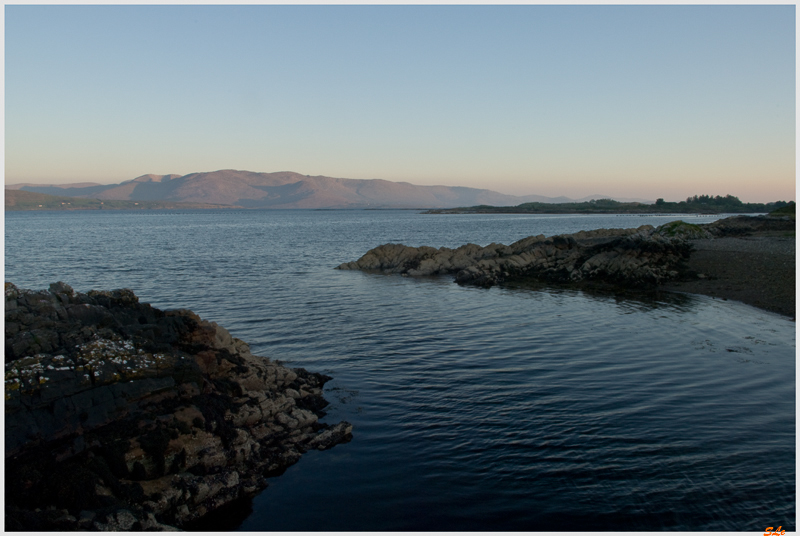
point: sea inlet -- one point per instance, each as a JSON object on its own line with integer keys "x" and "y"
{"x": 507, "y": 408}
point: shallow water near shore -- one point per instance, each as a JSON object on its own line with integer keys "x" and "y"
{"x": 473, "y": 409}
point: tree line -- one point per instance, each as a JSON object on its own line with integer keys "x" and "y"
{"x": 697, "y": 204}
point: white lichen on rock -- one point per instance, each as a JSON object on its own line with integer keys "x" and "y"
{"x": 168, "y": 401}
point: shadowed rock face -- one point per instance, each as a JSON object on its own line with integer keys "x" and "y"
{"x": 120, "y": 416}
{"x": 632, "y": 256}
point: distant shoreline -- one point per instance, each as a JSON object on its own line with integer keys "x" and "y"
{"x": 698, "y": 214}
{"x": 619, "y": 211}
{"x": 703, "y": 204}
{"x": 290, "y": 191}
{"x": 114, "y": 205}
{"x": 114, "y": 209}
{"x": 20, "y": 200}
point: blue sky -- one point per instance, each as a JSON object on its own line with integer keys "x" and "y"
{"x": 628, "y": 101}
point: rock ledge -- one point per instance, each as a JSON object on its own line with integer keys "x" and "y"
{"x": 641, "y": 257}
{"x": 120, "y": 416}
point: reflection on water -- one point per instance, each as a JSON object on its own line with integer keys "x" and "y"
{"x": 225, "y": 519}
{"x": 631, "y": 299}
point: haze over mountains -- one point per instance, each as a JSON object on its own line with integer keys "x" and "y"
{"x": 286, "y": 190}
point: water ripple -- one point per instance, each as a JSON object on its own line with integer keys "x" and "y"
{"x": 474, "y": 409}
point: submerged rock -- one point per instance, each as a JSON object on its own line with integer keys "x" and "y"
{"x": 120, "y": 416}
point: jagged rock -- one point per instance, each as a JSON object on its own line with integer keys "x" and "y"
{"x": 331, "y": 436}
{"x": 641, "y": 257}
{"x": 633, "y": 256}
{"x": 126, "y": 417}
{"x": 120, "y": 520}
{"x": 686, "y": 231}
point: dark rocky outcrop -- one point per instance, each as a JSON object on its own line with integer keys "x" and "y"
{"x": 638, "y": 256}
{"x": 120, "y": 416}
{"x": 645, "y": 256}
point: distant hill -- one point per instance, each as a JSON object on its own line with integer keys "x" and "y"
{"x": 286, "y": 189}
{"x": 23, "y": 200}
{"x": 72, "y": 185}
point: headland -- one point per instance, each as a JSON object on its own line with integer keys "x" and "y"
{"x": 121, "y": 416}
{"x": 745, "y": 258}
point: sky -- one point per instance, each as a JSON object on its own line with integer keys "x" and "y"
{"x": 638, "y": 101}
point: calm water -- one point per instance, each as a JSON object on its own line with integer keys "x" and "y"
{"x": 474, "y": 409}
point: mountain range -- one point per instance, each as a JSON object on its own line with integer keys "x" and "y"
{"x": 286, "y": 189}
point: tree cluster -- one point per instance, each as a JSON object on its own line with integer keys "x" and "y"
{"x": 698, "y": 204}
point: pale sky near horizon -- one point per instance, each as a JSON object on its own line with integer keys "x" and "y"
{"x": 625, "y": 101}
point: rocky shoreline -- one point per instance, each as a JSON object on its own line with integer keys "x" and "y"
{"x": 120, "y": 416}
{"x": 647, "y": 257}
